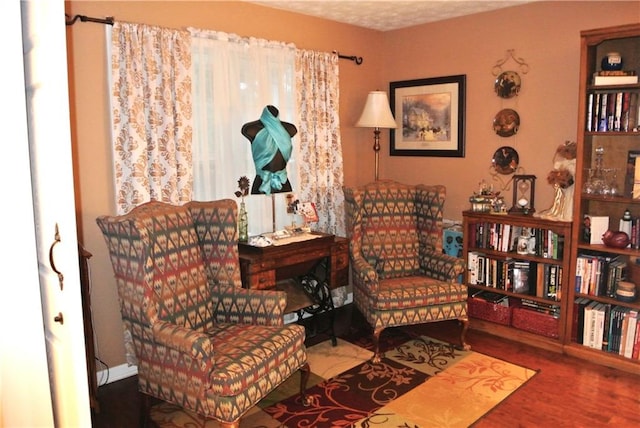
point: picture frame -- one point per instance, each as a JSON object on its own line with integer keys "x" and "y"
{"x": 430, "y": 116}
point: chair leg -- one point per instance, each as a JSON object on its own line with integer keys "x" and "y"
{"x": 305, "y": 371}
{"x": 145, "y": 409}
{"x": 464, "y": 326}
{"x": 377, "y": 355}
{"x": 235, "y": 424}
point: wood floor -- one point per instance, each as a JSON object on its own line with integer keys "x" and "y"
{"x": 566, "y": 392}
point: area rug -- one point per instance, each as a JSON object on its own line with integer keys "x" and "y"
{"x": 421, "y": 382}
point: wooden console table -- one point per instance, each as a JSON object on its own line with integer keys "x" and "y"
{"x": 316, "y": 266}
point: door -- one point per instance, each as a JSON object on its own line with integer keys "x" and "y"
{"x": 48, "y": 124}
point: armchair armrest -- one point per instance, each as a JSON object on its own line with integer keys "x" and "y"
{"x": 196, "y": 344}
{"x": 240, "y": 305}
{"x": 442, "y": 266}
{"x": 363, "y": 273}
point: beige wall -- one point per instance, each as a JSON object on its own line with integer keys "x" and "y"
{"x": 546, "y": 35}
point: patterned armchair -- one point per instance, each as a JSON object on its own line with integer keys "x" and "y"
{"x": 400, "y": 274}
{"x": 200, "y": 339}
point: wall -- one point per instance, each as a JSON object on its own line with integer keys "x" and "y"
{"x": 545, "y": 34}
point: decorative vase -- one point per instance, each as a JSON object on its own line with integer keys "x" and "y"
{"x": 243, "y": 224}
{"x": 615, "y": 239}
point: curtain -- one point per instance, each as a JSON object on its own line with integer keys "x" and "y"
{"x": 321, "y": 167}
{"x": 235, "y": 78}
{"x": 151, "y": 114}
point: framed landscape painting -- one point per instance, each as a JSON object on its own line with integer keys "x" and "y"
{"x": 430, "y": 116}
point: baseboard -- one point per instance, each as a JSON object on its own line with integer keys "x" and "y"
{"x": 123, "y": 371}
{"x": 114, "y": 374}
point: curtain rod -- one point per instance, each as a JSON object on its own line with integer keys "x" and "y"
{"x": 109, "y": 20}
{"x": 83, "y": 18}
{"x": 357, "y": 59}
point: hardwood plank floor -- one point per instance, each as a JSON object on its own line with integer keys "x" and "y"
{"x": 567, "y": 392}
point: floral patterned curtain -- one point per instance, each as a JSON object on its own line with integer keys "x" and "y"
{"x": 151, "y": 114}
{"x": 320, "y": 165}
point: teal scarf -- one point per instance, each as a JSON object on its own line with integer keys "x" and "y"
{"x": 265, "y": 145}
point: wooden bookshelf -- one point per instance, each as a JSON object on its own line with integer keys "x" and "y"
{"x": 615, "y": 144}
{"x": 496, "y": 225}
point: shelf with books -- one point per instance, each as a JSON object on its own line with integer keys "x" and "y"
{"x": 613, "y": 110}
{"x": 604, "y": 278}
{"x": 517, "y": 269}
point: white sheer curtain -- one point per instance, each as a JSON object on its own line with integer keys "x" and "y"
{"x": 234, "y": 79}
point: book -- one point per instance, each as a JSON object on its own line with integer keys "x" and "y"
{"x": 636, "y": 181}
{"x": 617, "y": 112}
{"x": 598, "y": 226}
{"x": 472, "y": 267}
{"x": 602, "y": 119}
{"x": 631, "y": 333}
{"x": 589, "y": 330}
{"x": 522, "y": 273}
{"x": 577, "y": 320}
{"x": 632, "y": 156}
{"x": 598, "y": 334}
{"x": 614, "y": 80}
{"x": 635, "y": 353}
{"x": 499, "y": 299}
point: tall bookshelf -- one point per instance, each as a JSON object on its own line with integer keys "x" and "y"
{"x": 611, "y": 147}
{"x": 494, "y": 239}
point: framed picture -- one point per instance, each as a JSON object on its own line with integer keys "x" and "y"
{"x": 430, "y": 116}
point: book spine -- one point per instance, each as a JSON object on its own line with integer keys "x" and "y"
{"x": 634, "y": 111}
{"x": 624, "y": 119}
{"x": 602, "y": 120}
{"x": 590, "y": 112}
{"x": 617, "y": 115}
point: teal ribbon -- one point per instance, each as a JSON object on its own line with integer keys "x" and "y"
{"x": 265, "y": 145}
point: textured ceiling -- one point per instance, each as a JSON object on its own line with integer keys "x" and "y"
{"x": 388, "y": 15}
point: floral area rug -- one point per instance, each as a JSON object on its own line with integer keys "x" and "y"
{"x": 421, "y": 382}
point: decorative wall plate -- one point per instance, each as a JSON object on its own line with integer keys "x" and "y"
{"x": 505, "y": 160}
{"x": 508, "y": 84}
{"x": 506, "y": 122}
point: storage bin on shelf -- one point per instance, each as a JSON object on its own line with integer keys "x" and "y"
{"x": 489, "y": 311}
{"x": 535, "y": 322}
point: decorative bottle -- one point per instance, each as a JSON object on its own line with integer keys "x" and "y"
{"x": 243, "y": 224}
{"x": 625, "y": 223}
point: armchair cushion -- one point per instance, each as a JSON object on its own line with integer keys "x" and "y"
{"x": 247, "y": 353}
{"x": 389, "y": 223}
{"x": 416, "y": 291}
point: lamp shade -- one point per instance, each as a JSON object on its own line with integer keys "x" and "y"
{"x": 376, "y": 113}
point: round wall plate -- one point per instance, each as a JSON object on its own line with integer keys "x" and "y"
{"x": 505, "y": 160}
{"x": 506, "y": 122}
{"x": 508, "y": 84}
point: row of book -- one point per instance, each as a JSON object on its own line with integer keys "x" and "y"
{"x": 606, "y": 327}
{"x": 543, "y": 307}
{"x": 506, "y": 238}
{"x": 599, "y": 274}
{"x": 519, "y": 276}
{"x": 612, "y": 112}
